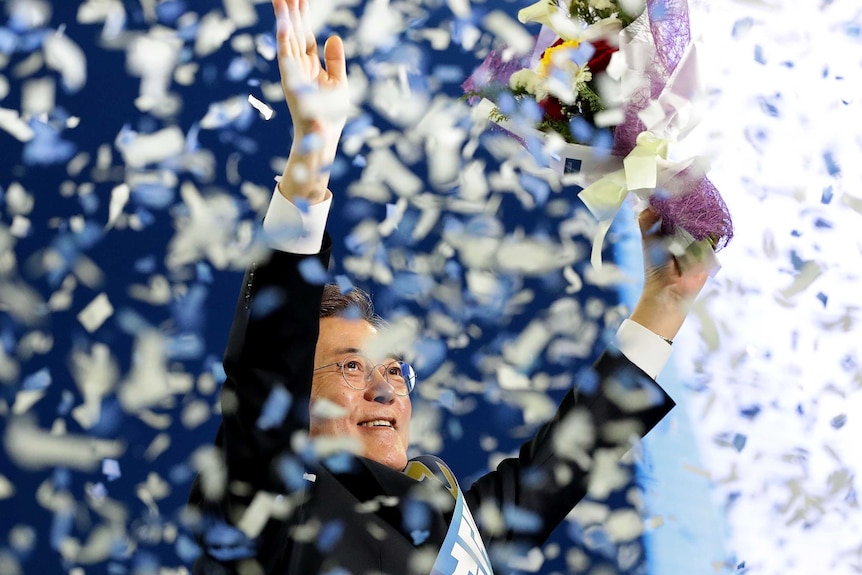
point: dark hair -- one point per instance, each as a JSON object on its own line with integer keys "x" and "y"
{"x": 354, "y": 304}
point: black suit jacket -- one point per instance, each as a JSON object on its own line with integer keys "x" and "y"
{"x": 356, "y": 514}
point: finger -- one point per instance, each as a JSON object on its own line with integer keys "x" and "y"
{"x": 333, "y": 55}
{"x": 308, "y": 33}
{"x": 649, "y": 222}
{"x": 282, "y": 23}
{"x": 299, "y": 41}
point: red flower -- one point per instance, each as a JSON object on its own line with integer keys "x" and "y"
{"x": 553, "y": 108}
{"x": 602, "y": 56}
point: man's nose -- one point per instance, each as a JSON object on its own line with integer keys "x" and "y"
{"x": 379, "y": 389}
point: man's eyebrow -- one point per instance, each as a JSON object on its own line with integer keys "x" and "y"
{"x": 347, "y": 351}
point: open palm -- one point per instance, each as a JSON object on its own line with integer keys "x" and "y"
{"x": 303, "y": 78}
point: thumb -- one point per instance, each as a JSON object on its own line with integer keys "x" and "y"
{"x": 333, "y": 56}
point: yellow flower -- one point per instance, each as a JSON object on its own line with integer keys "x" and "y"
{"x": 553, "y": 54}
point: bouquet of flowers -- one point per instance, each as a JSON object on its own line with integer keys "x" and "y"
{"x": 609, "y": 88}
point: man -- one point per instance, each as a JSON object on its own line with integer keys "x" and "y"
{"x": 299, "y": 381}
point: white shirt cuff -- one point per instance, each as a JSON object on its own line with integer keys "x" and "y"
{"x": 642, "y": 347}
{"x": 289, "y": 228}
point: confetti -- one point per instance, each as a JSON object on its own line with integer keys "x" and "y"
{"x": 97, "y": 311}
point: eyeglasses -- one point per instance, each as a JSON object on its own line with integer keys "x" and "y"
{"x": 358, "y": 370}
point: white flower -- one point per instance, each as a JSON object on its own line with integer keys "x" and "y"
{"x": 530, "y": 81}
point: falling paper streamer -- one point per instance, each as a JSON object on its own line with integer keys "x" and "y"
{"x": 261, "y": 107}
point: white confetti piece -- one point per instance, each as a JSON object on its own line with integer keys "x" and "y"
{"x": 38, "y": 96}
{"x": 261, "y": 107}
{"x": 119, "y": 198}
{"x": 97, "y": 311}
{"x": 33, "y": 448}
{"x": 221, "y": 114}
{"x": 11, "y": 122}
{"x": 153, "y": 57}
{"x": 7, "y": 489}
{"x": 149, "y": 383}
{"x": 213, "y": 32}
{"x": 510, "y": 32}
{"x": 20, "y": 227}
{"x": 241, "y": 12}
{"x": 158, "y": 445}
{"x": 140, "y": 150}
{"x": 26, "y": 399}
{"x": 65, "y": 56}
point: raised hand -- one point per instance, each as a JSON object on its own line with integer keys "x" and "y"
{"x": 668, "y": 293}
{"x": 317, "y": 98}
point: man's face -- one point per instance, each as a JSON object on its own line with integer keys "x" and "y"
{"x": 340, "y": 338}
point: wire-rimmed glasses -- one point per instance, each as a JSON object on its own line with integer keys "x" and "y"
{"x": 357, "y": 371}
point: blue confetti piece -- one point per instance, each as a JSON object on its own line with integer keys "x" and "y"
{"x": 769, "y": 106}
{"x": 536, "y": 187}
{"x": 188, "y": 310}
{"x": 759, "y": 57}
{"x": 456, "y": 430}
{"x": 521, "y": 520}
{"x": 8, "y": 41}
{"x": 275, "y": 409}
{"x": 392, "y": 212}
{"x": 266, "y": 301}
{"x": 344, "y": 283}
{"x": 204, "y": 272}
{"x": 67, "y": 402}
{"x": 186, "y": 549}
{"x": 448, "y": 73}
{"x": 831, "y": 165}
{"x": 742, "y": 26}
{"x": 797, "y": 261}
{"x": 739, "y": 441}
{"x": 291, "y": 472}
{"x": 111, "y": 469}
{"x": 227, "y": 543}
{"x": 419, "y": 536}
{"x": 153, "y": 196}
{"x": 587, "y": 381}
{"x": 838, "y": 421}
{"x": 61, "y": 528}
{"x": 415, "y": 515}
{"x": 430, "y": 354}
{"x": 581, "y": 129}
{"x": 181, "y": 473}
{"x": 310, "y": 143}
{"x": 329, "y": 535}
{"x": 169, "y": 11}
{"x": 820, "y": 223}
{"x": 184, "y": 347}
{"x": 824, "y": 299}
{"x": 38, "y": 381}
{"x": 99, "y": 491}
{"x": 313, "y": 272}
{"x": 341, "y": 463}
{"x": 89, "y": 203}
{"x": 238, "y": 69}
{"x": 46, "y": 147}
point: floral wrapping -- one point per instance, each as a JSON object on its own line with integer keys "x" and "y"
{"x": 597, "y": 70}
